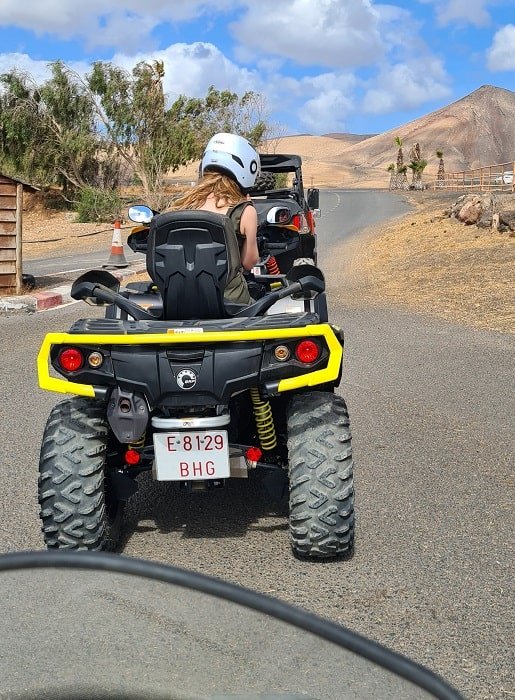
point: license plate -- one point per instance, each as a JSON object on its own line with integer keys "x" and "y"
{"x": 182, "y": 456}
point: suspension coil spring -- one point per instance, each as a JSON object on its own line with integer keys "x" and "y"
{"x": 272, "y": 266}
{"x": 138, "y": 444}
{"x": 264, "y": 421}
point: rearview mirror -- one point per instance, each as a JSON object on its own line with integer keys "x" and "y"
{"x": 140, "y": 214}
{"x": 309, "y": 276}
{"x": 314, "y": 198}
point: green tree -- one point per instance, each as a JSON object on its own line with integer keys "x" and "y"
{"x": 223, "y": 110}
{"x": 48, "y": 132}
{"x": 86, "y": 132}
{"x": 155, "y": 138}
{"x": 150, "y": 136}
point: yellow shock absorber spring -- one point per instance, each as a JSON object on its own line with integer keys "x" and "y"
{"x": 139, "y": 444}
{"x": 264, "y": 420}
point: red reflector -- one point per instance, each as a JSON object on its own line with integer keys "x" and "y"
{"x": 132, "y": 457}
{"x": 253, "y": 454}
{"x": 71, "y": 359}
{"x": 307, "y": 351}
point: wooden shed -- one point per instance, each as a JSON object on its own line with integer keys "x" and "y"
{"x": 11, "y": 219}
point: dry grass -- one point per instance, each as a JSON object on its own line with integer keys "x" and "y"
{"x": 429, "y": 263}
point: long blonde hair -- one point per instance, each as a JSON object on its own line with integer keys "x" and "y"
{"x": 226, "y": 191}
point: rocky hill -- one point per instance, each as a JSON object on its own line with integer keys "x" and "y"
{"x": 477, "y": 130}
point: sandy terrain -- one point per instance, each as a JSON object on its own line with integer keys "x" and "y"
{"x": 437, "y": 265}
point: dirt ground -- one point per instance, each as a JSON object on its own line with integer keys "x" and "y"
{"x": 422, "y": 261}
{"x": 435, "y": 264}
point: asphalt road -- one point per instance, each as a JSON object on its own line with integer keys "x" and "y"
{"x": 431, "y": 407}
{"x": 68, "y": 267}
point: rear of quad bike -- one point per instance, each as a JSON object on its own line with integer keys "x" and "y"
{"x": 142, "y": 390}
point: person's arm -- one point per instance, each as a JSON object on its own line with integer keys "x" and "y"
{"x": 248, "y": 228}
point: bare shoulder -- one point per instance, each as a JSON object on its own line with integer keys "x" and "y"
{"x": 249, "y": 216}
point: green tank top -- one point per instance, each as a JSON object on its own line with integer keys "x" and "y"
{"x": 236, "y": 289}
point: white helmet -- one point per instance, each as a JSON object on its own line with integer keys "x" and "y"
{"x": 234, "y": 155}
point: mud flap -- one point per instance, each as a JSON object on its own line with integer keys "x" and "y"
{"x": 122, "y": 487}
{"x": 275, "y": 482}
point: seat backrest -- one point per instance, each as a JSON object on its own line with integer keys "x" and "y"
{"x": 188, "y": 260}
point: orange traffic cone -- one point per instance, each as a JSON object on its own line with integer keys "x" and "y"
{"x": 117, "y": 258}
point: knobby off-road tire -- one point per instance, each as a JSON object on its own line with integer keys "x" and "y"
{"x": 321, "y": 476}
{"x": 76, "y": 509}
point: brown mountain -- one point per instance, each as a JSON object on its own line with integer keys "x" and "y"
{"x": 475, "y": 131}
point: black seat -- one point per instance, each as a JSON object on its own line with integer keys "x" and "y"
{"x": 188, "y": 259}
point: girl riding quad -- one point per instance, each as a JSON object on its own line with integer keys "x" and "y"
{"x": 229, "y": 168}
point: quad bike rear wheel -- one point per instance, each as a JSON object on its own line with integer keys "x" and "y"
{"x": 321, "y": 476}
{"x": 77, "y": 508}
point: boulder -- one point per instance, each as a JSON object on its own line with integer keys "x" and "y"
{"x": 471, "y": 211}
{"x": 474, "y": 208}
{"x": 507, "y": 220}
{"x": 486, "y": 220}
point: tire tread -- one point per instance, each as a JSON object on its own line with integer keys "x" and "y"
{"x": 321, "y": 476}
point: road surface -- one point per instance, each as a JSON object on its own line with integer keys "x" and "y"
{"x": 431, "y": 409}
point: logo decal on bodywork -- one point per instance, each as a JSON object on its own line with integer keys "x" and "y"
{"x": 186, "y": 379}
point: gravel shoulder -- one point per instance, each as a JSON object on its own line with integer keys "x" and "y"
{"x": 428, "y": 262}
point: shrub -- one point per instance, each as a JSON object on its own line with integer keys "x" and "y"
{"x": 98, "y": 205}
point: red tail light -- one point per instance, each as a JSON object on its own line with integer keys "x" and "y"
{"x": 253, "y": 454}
{"x": 132, "y": 457}
{"x": 307, "y": 352}
{"x": 71, "y": 359}
{"x": 311, "y": 221}
{"x": 300, "y": 222}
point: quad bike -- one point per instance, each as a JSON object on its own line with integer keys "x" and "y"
{"x": 196, "y": 390}
{"x": 304, "y": 207}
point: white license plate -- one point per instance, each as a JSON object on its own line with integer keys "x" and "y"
{"x": 181, "y": 456}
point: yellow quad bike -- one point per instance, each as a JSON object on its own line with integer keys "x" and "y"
{"x": 196, "y": 390}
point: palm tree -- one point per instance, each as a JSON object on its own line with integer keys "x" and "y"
{"x": 417, "y": 167}
{"x": 440, "y": 176}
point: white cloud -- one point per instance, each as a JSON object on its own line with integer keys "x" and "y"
{"x": 326, "y": 101}
{"x": 335, "y": 33}
{"x": 38, "y": 70}
{"x": 189, "y": 69}
{"x": 118, "y": 23}
{"x": 501, "y": 55}
{"x": 326, "y": 112}
{"x": 461, "y": 11}
{"x": 405, "y": 86}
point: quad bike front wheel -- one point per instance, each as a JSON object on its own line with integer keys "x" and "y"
{"x": 77, "y": 509}
{"x": 321, "y": 476}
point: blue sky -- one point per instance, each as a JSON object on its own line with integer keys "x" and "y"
{"x": 323, "y": 65}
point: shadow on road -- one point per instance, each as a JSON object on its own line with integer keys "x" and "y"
{"x": 240, "y": 506}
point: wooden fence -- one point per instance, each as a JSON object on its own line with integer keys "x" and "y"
{"x": 490, "y": 178}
